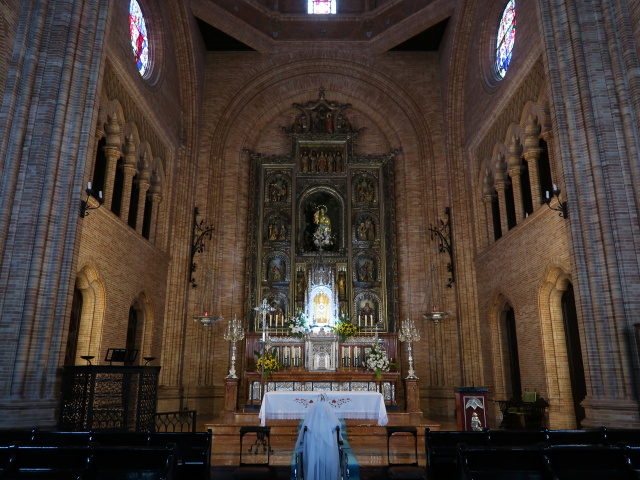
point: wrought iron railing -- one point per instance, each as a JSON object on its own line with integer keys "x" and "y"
{"x": 109, "y": 397}
{"x": 179, "y": 421}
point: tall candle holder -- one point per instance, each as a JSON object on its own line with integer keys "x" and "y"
{"x": 263, "y": 309}
{"x": 233, "y": 334}
{"x": 409, "y": 333}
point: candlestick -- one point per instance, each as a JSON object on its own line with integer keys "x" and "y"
{"x": 234, "y": 333}
{"x": 409, "y": 333}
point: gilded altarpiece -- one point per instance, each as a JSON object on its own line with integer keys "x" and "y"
{"x": 321, "y": 238}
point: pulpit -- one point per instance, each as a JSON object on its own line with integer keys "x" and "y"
{"x": 471, "y": 408}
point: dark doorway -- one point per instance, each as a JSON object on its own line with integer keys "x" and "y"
{"x": 74, "y": 328}
{"x": 512, "y": 346}
{"x": 132, "y": 329}
{"x": 574, "y": 353}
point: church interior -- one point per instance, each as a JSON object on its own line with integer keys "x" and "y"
{"x": 253, "y": 196}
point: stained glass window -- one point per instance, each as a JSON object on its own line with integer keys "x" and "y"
{"x": 506, "y": 38}
{"x": 321, "y": 7}
{"x": 139, "y": 40}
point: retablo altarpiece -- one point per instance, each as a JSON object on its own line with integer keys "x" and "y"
{"x": 321, "y": 244}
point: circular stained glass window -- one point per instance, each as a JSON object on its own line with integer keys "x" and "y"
{"x": 506, "y": 38}
{"x": 139, "y": 39}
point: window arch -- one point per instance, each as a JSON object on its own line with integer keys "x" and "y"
{"x": 505, "y": 39}
{"x": 139, "y": 38}
{"x": 321, "y": 7}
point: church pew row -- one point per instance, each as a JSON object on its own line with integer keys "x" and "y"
{"x": 192, "y": 450}
{"x": 566, "y": 462}
{"x": 92, "y": 462}
{"x": 443, "y": 459}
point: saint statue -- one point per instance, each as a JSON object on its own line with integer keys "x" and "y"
{"x": 322, "y": 221}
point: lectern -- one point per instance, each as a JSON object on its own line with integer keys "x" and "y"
{"x": 471, "y": 408}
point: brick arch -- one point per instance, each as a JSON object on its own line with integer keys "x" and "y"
{"x": 554, "y": 347}
{"x": 142, "y": 304}
{"x": 266, "y": 99}
{"x": 498, "y": 343}
{"x": 93, "y": 292}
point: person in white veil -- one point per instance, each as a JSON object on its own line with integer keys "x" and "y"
{"x": 319, "y": 443}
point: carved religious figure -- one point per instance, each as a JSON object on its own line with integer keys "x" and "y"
{"x": 322, "y": 221}
{"x": 300, "y": 285}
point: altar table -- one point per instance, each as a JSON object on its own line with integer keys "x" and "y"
{"x": 294, "y": 405}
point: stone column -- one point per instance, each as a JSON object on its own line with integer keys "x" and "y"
{"x": 515, "y": 172}
{"x": 488, "y": 213}
{"x": 531, "y": 154}
{"x": 594, "y": 90}
{"x": 113, "y": 152}
{"x": 143, "y": 187}
{"x": 130, "y": 170}
{"x": 500, "y": 186}
{"x": 58, "y": 53}
{"x": 156, "y": 198}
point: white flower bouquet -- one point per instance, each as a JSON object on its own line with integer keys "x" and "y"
{"x": 376, "y": 359}
{"x": 297, "y": 324}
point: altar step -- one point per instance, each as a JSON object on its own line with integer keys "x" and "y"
{"x": 368, "y": 442}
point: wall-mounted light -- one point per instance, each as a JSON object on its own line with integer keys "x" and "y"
{"x": 84, "y": 204}
{"x": 563, "y": 208}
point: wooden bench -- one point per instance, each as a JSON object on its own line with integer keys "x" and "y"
{"x": 132, "y": 463}
{"x": 577, "y": 437}
{"x": 192, "y": 450}
{"x": 46, "y": 462}
{"x": 624, "y": 436}
{"x": 503, "y": 463}
{"x": 589, "y": 462}
{"x": 511, "y": 438}
{"x": 91, "y": 462}
{"x": 441, "y": 449}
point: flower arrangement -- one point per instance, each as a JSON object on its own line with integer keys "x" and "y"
{"x": 322, "y": 239}
{"x": 345, "y": 328}
{"x": 376, "y": 359}
{"x": 297, "y": 324}
{"x": 270, "y": 361}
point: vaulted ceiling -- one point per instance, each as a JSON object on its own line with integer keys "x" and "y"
{"x": 274, "y": 25}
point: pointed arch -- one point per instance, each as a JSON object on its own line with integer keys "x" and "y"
{"x": 554, "y": 345}
{"x": 90, "y": 330}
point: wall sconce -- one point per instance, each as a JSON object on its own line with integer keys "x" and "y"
{"x": 204, "y": 313}
{"x": 563, "y": 207}
{"x": 200, "y": 232}
{"x": 445, "y": 242}
{"x": 84, "y": 204}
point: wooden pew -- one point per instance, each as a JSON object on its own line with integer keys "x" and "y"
{"x": 626, "y": 436}
{"x": 14, "y": 437}
{"x": 441, "y": 449}
{"x": 192, "y": 451}
{"x": 506, "y": 438}
{"x": 47, "y": 462}
{"x": 577, "y": 437}
{"x": 589, "y": 462}
{"x": 503, "y": 463}
{"x": 127, "y": 463}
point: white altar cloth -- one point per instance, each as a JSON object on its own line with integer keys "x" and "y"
{"x": 294, "y": 405}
